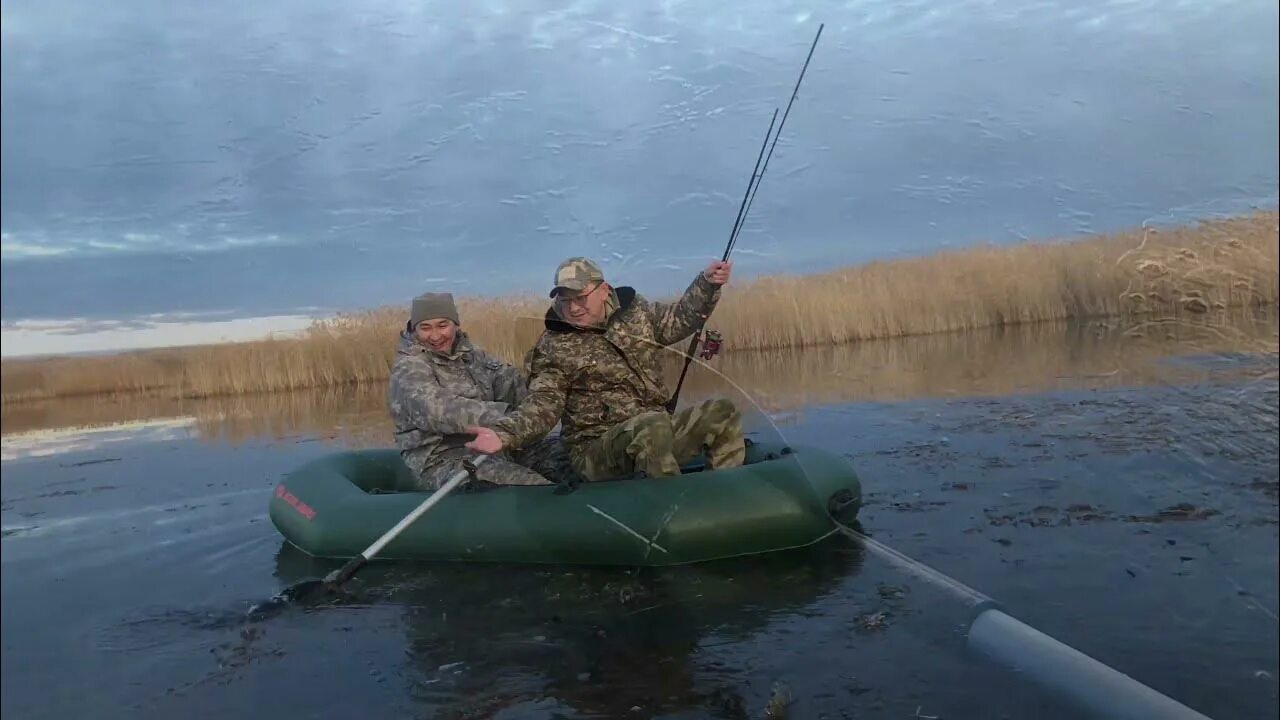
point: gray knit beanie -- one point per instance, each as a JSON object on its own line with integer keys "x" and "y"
{"x": 433, "y": 305}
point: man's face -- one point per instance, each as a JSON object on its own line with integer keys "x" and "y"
{"x": 437, "y": 334}
{"x": 586, "y": 307}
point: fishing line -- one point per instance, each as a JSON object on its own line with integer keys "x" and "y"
{"x": 753, "y": 185}
{"x": 1063, "y": 671}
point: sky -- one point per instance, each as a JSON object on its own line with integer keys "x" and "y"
{"x": 215, "y": 170}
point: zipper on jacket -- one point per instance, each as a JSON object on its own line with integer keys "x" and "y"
{"x": 621, "y": 353}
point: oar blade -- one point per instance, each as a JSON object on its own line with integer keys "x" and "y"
{"x": 301, "y": 591}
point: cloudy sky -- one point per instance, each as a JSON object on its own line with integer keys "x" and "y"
{"x": 168, "y": 163}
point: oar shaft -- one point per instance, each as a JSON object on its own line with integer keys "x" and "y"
{"x": 344, "y": 573}
{"x": 426, "y": 505}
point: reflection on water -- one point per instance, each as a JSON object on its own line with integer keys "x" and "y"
{"x": 39, "y": 443}
{"x": 600, "y": 641}
{"x": 1020, "y": 359}
{"x": 1035, "y": 358}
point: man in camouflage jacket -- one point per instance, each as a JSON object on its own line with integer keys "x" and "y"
{"x": 597, "y": 369}
{"x": 442, "y": 383}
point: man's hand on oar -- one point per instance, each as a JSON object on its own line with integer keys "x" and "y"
{"x": 487, "y": 441}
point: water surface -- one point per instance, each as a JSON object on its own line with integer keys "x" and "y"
{"x": 1122, "y": 499}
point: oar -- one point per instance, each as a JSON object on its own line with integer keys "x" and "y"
{"x": 333, "y": 581}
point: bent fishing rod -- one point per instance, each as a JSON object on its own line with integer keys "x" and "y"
{"x": 753, "y": 185}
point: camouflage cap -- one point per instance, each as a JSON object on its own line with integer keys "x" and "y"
{"x": 576, "y": 274}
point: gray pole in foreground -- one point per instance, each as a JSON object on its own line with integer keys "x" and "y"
{"x": 1056, "y": 667}
{"x": 1068, "y": 673}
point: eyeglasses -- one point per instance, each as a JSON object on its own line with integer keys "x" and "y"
{"x": 579, "y": 300}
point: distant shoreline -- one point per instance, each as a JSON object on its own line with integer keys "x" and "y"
{"x": 1200, "y": 270}
{"x": 66, "y": 338}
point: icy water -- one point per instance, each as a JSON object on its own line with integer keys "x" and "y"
{"x": 1117, "y": 492}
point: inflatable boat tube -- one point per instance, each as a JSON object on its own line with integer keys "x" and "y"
{"x": 337, "y": 505}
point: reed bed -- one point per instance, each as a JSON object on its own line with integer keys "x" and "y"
{"x": 988, "y": 362}
{"x": 1170, "y": 274}
{"x": 1145, "y": 277}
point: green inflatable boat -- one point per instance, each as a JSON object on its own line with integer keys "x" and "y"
{"x": 782, "y": 497}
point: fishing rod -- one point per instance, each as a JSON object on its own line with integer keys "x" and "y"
{"x": 753, "y": 185}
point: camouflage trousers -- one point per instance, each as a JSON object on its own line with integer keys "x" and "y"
{"x": 543, "y": 463}
{"x": 656, "y": 443}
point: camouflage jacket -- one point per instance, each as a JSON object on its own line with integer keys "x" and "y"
{"x": 592, "y": 379}
{"x": 433, "y": 398}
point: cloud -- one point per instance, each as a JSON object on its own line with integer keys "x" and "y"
{"x": 162, "y": 155}
{"x": 16, "y": 247}
{"x": 13, "y": 250}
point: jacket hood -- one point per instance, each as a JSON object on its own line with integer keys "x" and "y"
{"x": 626, "y": 296}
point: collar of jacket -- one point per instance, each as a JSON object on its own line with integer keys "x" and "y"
{"x": 626, "y": 296}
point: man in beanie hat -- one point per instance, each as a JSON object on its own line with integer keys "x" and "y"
{"x": 597, "y": 369}
{"x": 442, "y": 383}
{"x": 434, "y": 317}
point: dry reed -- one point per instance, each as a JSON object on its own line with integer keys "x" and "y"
{"x": 1146, "y": 275}
{"x": 988, "y": 362}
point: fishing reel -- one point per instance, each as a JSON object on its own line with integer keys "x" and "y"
{"x": 710, "y": 345}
